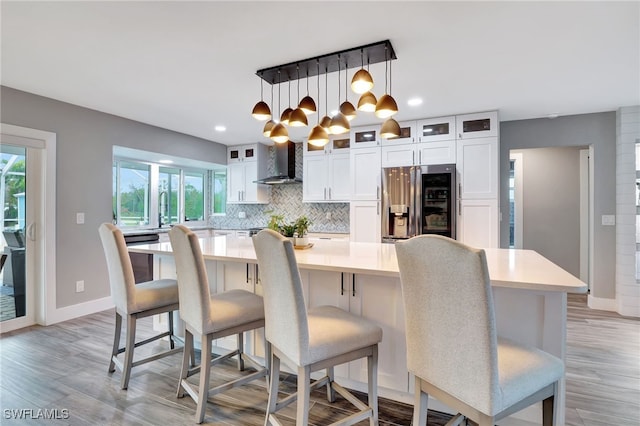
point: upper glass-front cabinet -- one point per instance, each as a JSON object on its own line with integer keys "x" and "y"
{"x": 236, "y": 154}
{"x": 365, "y": 137}
{"x": 407, "y": 134}
{"x": 479, "y": 125}
{"x": 338, "y": 143}
{"x": 437, "y": 129}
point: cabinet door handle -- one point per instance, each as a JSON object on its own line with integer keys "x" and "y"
{"x": 353, "y": 285}
{"x": 459, "y": 208}
{"x": 413, "y": 158}
{"x": 377, "y": 192}
{"x": 257, "y": 274}
{"x": 329, "y": 193}
{"x": 324, "y": 197}
{"x": 341, "y": 283}
{"x": 378, "y": 208}
{"x": 420, "y": 156}
{"x": 247, "y": 280}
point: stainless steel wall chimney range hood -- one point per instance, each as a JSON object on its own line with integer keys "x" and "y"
{"x": 285, "y": 166}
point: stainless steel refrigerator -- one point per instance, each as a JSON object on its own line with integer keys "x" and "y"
{"x": 418, "y": 200}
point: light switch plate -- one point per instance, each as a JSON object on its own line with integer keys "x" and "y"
{"x": 80, "y": 218}
{"x": 608, "y": 219}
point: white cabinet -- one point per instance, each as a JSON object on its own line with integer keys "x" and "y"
{"x": 377, "y": 299}
{"x": 477, "y": 125}
{"x": 326, "y": 172}
{"x": 478, "y": 180}
{"x": 407, "y": 134}
{"x": 245, "y": 163}
{"x": 364, "y": 209}
{"x": 477, "y": 163}
{"x": 238, "y": 154}
{"x": 365, "y": 174}
{"x": 438, "y": 152}
{"x": 398, "y": 155}
{"x": 436, "y": 129}
{"x": 365, "y": 137}
{"x": 479, "y": 224}
{"x": 365, "y": 221}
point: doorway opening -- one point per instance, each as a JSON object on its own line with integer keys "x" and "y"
{"x": 551, "y": 205}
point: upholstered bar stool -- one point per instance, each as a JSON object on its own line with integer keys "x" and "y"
{"x": 312, "y": 340}
{"x": 452, "y": 344}
{"x": 210, "y": 317}
{"x": 134, "y": 301}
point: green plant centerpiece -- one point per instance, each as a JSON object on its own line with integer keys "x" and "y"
{"x": 288, "y": 229}
{"x": 296, "y": 230}
{"x": 302, "y": 226}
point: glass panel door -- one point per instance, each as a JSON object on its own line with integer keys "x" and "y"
{"x": 13, "y": 190}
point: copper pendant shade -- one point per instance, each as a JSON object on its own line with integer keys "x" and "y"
{"x": 261, "y": 111}
{"x": 279, "y": 133}
{"x": 325, "y": 123}
{"x": 339, "y": 124}
{"x": 348, "y": 110}
{"x": 361, "y": 82}
{"x": 298, "y": 118}
{"x": 266, "y": 131}
{"x": 318, "y": 136}
{"x": 286, "y": 114}
{"x": 386, "y": 107}
{"x": 367, "y": 102}
{"x": 390, "y": 129}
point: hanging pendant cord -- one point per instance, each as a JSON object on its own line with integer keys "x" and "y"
{"x": 338, "y": 80}
{"x": 326, "y": 90}
{"x": 298, "y": 72}
{"x": 318, "y": 65}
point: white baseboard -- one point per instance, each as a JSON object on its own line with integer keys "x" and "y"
{"x": 81, "y": 309}
{"x": 602, "y": 304}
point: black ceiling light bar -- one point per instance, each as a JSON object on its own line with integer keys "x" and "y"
{"x": 354, "y": 57}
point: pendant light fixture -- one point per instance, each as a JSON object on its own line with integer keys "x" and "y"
{"x": 347, "y": 108}
{"x": 318, "y": 135}
{"x": 307, "y": 104}
{"x": 339, "y": 123}
{"x": 390, "y": 129}
{"x": 279, "y": 133}
{"x": 266, "y": 131}
{"x": 286, "y": 114}
{"x": 326, "y": 120}
{"x": 261, "y": 110}
{"x": 386, "y": 106}
{"x": 298, "y": 118}
{"x": 362, "y": 81}
{"x": 367, "y": 102}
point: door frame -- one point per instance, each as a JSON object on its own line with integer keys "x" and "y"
{"x": 41, "y": 302}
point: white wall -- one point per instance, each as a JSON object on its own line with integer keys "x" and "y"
{"x": 85, "y": 140}
{"x": 627, "y": 134}
{"x": 551, "y": 204}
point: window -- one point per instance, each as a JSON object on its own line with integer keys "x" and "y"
{"x": 132, "y": 194}
{"x": 13, "y": 186}
{"x": 219, "y": 192}
{"x": 194, "y": 199}
{"x": 168, "y": 196}
{"x": 152, "y": 195}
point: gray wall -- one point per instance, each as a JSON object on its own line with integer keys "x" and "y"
{"x": 85, "y": 140}
{"x": 551, "y": 204}
{"x": 597, "y": 130}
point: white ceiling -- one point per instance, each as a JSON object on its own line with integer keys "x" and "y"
{"x": 188, "y": 66}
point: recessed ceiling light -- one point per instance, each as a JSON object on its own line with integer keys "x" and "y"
{"x": 166, "y": 161}
{"x": 220, "y": 128}
{"x": 414, "y": 102}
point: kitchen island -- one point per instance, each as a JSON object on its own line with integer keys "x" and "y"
{"x": 530, "y": 294}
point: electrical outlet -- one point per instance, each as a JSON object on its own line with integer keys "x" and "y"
{"x": 79, "y": 286}
{"x": 80, "y": 218}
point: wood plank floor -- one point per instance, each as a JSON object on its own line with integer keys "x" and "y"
{"x": 64, "y": 367}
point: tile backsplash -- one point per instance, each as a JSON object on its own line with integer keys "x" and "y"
{"x": 286, "y": 200}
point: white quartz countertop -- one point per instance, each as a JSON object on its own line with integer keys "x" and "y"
{"x": 524, "y": 269}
